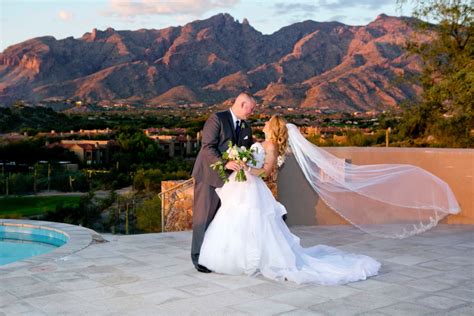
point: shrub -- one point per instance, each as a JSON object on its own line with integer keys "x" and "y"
{"x": 149, "y": 215}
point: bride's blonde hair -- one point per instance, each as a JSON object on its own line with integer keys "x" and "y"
{"x": 278, "y": 133}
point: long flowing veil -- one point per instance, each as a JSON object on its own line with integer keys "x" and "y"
{"x": 387, "y": 200}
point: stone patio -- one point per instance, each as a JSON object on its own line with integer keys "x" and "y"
{"x": 430, "y": 274}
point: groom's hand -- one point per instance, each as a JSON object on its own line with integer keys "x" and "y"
{"x": 233, "y": 165}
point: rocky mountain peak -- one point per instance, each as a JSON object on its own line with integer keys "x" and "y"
{"x": 311, "y": 64}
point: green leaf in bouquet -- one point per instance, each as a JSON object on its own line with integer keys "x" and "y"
{"x": 240, "y": 176}
{"x": 219, "y": 167}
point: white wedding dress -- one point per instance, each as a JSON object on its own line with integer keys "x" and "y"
{"x": 248, "y": 236}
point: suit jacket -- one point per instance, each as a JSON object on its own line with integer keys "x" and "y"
{"x": 218, "y": 131}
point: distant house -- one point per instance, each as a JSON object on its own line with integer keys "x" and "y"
{"x": 174, "y": 141}
{"x": 90, "y": 152}
{"x": 177, "y": 145}
{"x": 310, "y": 130}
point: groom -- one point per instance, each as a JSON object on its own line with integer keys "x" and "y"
{"x": 220, "y": 128}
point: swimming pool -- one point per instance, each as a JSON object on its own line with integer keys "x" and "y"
{"x": 21, "y": 242}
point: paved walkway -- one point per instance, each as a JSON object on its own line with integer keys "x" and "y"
{"x": 151, "y": 274}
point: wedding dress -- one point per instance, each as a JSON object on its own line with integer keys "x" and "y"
{"x": 248, "y": 236}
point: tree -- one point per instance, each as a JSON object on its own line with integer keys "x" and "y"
{"x": 135, "y": 148}
{"x": 149, "y": 215}
{"x": 444, "y": 111}
{"x": 148, "y": 180}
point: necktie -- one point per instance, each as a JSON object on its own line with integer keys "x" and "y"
{"x": 237, "y": 130}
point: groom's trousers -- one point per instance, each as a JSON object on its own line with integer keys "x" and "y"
{"x": 206, "y": 203}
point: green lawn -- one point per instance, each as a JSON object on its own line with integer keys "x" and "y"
{"x": 15, "y": 207}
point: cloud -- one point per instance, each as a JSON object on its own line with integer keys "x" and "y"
{"x": 133, "y": 8}
{"x": 344, "y": 4}
{"x": 338, "y": 18}
{"x": 284, "y": 8}
{"x": 64, "y": 15}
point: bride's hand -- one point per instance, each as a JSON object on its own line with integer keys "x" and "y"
{"x": 233, "y": 165}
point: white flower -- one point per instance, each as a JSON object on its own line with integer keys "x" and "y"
{"x": 234, "y": 153}
{"x": 280, "y": 160}
{"x": 243, "y": 148}
{"x": 244, "y": 159}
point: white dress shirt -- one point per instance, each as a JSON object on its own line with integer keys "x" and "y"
{"x": 234, "y": 119}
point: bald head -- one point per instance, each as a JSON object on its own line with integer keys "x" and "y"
{"x": 244, "y": 97}
{"x": 243, "y": 106}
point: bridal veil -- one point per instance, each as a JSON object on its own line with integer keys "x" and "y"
{"x": 387, "y": 200}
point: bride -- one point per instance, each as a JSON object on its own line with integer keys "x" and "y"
{"x": 248, "y": 235}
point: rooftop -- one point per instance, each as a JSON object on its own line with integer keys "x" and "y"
{"x": 152, "y": 274}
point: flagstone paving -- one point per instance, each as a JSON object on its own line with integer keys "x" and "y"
{"x": 151, "y": 274}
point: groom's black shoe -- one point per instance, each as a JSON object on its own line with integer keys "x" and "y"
{"x": 202, "y": 269}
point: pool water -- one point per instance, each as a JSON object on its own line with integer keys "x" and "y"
{"x": 18, "y": 242}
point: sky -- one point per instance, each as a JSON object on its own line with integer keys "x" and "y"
{"x": 25, "y": 19}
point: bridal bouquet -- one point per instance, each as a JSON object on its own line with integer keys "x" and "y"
{"x": 234, "y": 153}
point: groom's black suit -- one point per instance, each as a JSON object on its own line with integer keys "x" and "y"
{"x": 218, "y": 131}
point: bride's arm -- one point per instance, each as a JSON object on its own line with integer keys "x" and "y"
{"x": 269, "y": 164}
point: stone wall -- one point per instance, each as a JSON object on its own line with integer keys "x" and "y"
{"x": 454, "y": 166}
{"x": 177, "y": 205}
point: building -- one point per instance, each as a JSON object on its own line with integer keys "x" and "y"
{"x": 90, "y": 152}
{"x": 178, "y": 145}
{"x": 175, "y": 142}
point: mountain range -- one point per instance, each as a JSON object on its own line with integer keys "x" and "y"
{"x": 324, "y": 65}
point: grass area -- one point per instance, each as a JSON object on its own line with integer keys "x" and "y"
{"x": 17, "y": 207}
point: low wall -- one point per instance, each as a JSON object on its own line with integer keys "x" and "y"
{"x": 454, "y": 166}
